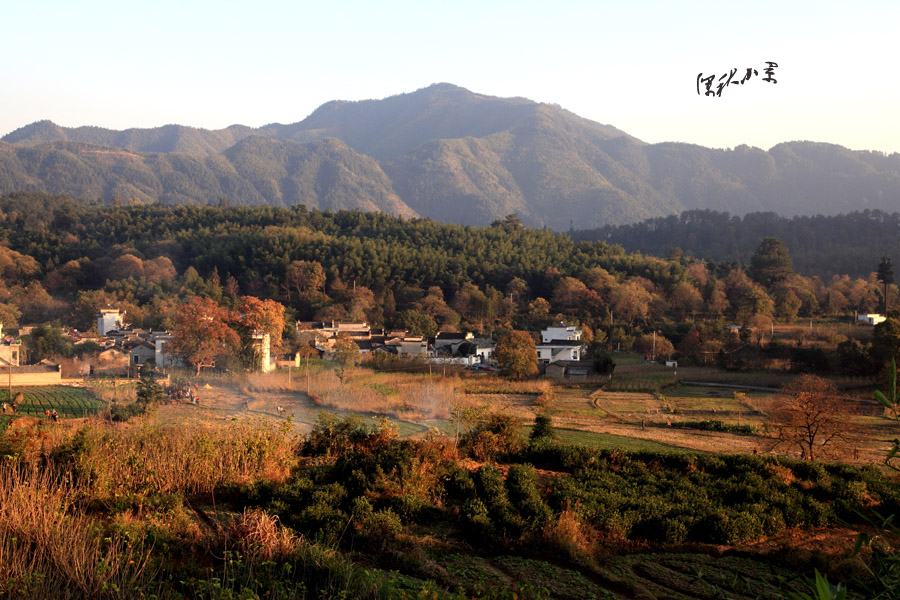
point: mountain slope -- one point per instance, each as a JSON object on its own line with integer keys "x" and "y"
{"x": 450, "y": 154}
{"x": 393, "y": 126}
{"x": 258, "y": 171}
{"x": 169, "y": 138}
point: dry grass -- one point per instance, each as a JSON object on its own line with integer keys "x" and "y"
{"x": 31, "y": 438}
{"x": 279, "y": 381}
{"x": 400, "y": 395}
{"x": 259, "y": 536}
{"x": 494, "y": 385}
{"x": 114, "y": 390}
{"x": 47, "y": 550}
{"x": 150, "y": 458}
{"x": 571, "y": 535}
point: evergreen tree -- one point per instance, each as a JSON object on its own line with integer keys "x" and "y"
{"x": 886, "y": 277}
{"x": 771, "y": 263}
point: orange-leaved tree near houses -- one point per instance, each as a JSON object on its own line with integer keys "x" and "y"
{"x": 813, "y": 418}
{"x": 202, "y": 332}
{"x": 517, "y": 354}
{"x": 266, "y": 316}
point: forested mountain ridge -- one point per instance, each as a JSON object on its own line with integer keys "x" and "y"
{"x": 453, "y": 155}
{"x": 165, "y": 139}
{"x": 255, "y": 171}
{"x": 399, "y": 124}
{"x": 819, "y": 245}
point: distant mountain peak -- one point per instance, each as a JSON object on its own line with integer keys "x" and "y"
{"x": 37, "y": 132}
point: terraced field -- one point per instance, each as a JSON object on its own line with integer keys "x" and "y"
{"x": 675, "y": 576}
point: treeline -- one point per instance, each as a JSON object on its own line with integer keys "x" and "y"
{"x": 63, "y": 259}
{"x": 819, "y": 245}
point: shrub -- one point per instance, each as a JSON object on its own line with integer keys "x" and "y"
{"x": 521, "y": 483}
{"x": 335, "y": 436}
{"x": 376, "y": 530}
{"x": 543, "y": 428}
{"x": 124, "y": 412}
{"x": 458, "y": 484}
{"x": 475, "y": 517}
{"x": 492, "y": 492}
{"x": 493, "y": 438}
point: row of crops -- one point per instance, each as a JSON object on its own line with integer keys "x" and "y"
{"x": 69, "y": 402}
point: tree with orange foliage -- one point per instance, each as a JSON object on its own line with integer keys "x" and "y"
{"x": 266, "y": 316}
{"x": 812, "y": 417}
{"x": 517, "y": 355}
{"x": 202, "y": 333}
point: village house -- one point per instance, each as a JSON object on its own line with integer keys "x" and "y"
{"x": 162, "y": 356}
{"x": 407, "y": 345}
{"x": 110, "y": 319}
{"x": 141, "y": 352}
{"x": 871, "y": 318}
{"x": 447, "y": 343}
{"x": 460, "y": 348}
{"x": 484, "y": 349}
{"x": 569, "y": 369}
{"x": 562, "y": 342}
{"x": 262, "y": 346}
{"x": 288, "y": 360}
{"x": 359, "y": 330}
{"x": 112, "y": 361}
{"x": 27, "y": 375}
{"x": 10, "y": 350}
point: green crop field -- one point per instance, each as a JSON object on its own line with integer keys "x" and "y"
{"x": 69, "y": 402}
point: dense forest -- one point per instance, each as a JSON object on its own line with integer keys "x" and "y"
{"x": 63, "y": 260}
{"x": 819, "y": 245}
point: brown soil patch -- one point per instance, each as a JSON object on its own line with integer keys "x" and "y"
{"x": 832, "y": 541}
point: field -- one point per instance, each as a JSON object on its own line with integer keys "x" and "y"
{"x": 643, "y": 406}
{"x": 69, "y": 402}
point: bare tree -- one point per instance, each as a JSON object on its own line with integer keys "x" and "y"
{"x": 813, "y": 418}
{"x": 346, "y": 354}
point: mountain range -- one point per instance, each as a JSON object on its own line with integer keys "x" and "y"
{"x": 446, "y": 153}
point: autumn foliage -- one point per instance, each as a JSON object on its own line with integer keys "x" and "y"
{"x": 812, "y": 418}
{"x": 517, "y": 354}
{"x": 202, "y": 332}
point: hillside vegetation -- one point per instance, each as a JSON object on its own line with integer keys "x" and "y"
{"x": 249, "y": 510}
{"x": 819, "y": 245}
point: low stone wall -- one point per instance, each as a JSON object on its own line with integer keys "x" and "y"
{"x": 29, "y": 376}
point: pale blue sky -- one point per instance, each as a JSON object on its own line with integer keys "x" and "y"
{"x": 629, "y": 64}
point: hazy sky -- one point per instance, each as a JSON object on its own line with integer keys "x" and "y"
{"x": 633, "y": 65}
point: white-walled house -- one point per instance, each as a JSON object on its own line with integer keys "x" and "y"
{"x": 262, "y": 344}
{"x": 871, "y": 319}
{"x": 561, "y": 342}
{"x": 110, "y": 319}
{"x": 556, "y": 350}
{"x": 560, "y": 332}
{"x": 9, "y": 350}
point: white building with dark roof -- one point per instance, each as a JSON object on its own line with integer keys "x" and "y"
{"x": 110, "y": 319}
{"x": 562, "y": 342}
